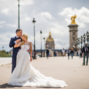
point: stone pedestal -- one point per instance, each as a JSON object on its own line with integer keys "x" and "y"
{"x": 73, "y": 34}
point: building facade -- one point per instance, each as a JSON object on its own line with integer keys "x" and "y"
{"x": 50, "y": 44}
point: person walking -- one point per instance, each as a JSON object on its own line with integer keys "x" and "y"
{"x": 72, "y": 53}
{"x": 68, "y": 52}
{"x": 85, "y": 52}
{"x": 47, "y": 53}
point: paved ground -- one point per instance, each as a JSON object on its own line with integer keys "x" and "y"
{"x": 71, "y": 71}
{"x": 4, "y": 60}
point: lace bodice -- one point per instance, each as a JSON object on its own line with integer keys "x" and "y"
{"x": 25, "y": 47}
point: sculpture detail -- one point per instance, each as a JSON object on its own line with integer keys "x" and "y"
{"x": 73, "y": 19}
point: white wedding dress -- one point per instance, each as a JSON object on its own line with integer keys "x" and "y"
{"x": 26, "y": 75}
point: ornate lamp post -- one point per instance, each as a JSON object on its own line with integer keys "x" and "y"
{"x": 81, "y": 41}
{"x": 34, "y": 21}
{"x": 18, "y": 14}
{"x": 78, "y": 41}
{"x": 87, "y": 37}
{"x": 41, "y": 42}
{"x": 84, "y": 36}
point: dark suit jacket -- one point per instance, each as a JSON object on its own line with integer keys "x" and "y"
{"x": 15, "y": 50}
{"x": 12, "y": 43}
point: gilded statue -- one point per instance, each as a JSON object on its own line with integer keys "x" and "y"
{"x": 73, "y": 19}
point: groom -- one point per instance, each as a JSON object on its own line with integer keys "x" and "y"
{"x": 13, "y": 41}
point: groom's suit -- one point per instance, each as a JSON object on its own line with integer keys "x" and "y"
{"x": 15, "y": 51}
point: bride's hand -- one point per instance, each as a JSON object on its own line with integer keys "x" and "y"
{"x": 17, "y": 45}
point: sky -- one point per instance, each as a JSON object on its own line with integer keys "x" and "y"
{"x": 51, "y": 16}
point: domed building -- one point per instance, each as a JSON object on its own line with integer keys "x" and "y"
{"x": 50, "y": 44}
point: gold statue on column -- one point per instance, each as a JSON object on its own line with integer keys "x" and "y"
{"x": 73, "y": 19}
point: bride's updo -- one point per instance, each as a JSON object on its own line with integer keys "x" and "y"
{"x": 24, "y": 38}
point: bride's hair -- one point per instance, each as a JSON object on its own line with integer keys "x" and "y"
{"x": 25, "y": 37}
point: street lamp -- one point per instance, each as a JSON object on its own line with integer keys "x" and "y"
{"x": 18, "y": 14}
{"x": 34, "y": 21}
{"x": 41, "y": 41}
{"x": 78, "y": 41}
{"x": 84, "y": 36}
{"x": 44, "y": 45}
{"x": 87, "y": 37}
{"x": 81, "y": 41}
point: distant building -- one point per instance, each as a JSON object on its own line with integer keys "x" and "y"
{"x": 50, "y": 44}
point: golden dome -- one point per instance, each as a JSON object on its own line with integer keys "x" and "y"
{"x": 50, "y": 38}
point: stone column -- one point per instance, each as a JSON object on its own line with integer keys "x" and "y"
{"x": 73, "y": 34}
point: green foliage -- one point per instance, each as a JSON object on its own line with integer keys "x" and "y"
{"x": 3, "y": 53}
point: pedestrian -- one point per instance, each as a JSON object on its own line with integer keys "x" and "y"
{"x": 63, "y": 52}
{"x": 72, "y": 53}
{"x": 55, "y": 53}
{"x": 68, "y": 52}
{"x": 85, "y": 52}
{"x": 47, "y": 53}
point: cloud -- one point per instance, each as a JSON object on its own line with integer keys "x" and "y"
{"x": 60, "y": 35}
{"x": 5, "y": 38}
{"x": 2, "y": 22}
{"x": 5, "y": 24}
{"x": 47, "y": 19}
{"x": 82, "y": 15}
{"x": 5, "y": 11}
{"x": 11, "y": 25}
{"x": 4, "y": 41}
{"x": 46, "y": 15}
{"x": 26, "y": 2}
{"x": 27, "y": 19}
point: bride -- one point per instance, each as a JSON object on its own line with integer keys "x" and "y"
{"x": 25, "y": 74}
